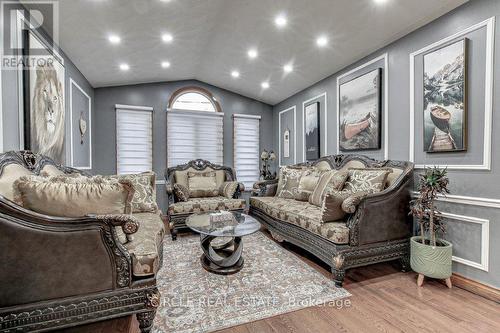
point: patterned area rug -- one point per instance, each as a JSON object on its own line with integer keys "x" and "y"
{"x": 273, "y": 281}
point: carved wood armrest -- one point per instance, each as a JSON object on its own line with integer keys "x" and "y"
{"x": 128, "y": 223}
{"x": 265, "y": 188}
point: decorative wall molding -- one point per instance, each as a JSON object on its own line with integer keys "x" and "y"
{"x": 294, "y": 109}
{"x": 485, "y": 240}
{"x": 386, "y": 100}
{"x": 488, "y": 103}
{"x": 467, "y": 200}
{"x": 89, "y": 130}
{"x": 304, "y": 123}
{"x": 160, "y": 182}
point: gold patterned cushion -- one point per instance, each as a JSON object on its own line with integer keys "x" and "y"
{"x": 10, "y": 174}
{"x": 330, "y": 180}
{"x": 228, "y": 189}
{"x": 307, "y": 184}
{"x": 202, "y": 184}
{"x": 203, "y": 205}
{"x": 181, "y": 176}
{"x": 367, "y": 179}
{"x": 73, "y": 197}
{"x": 288, "y": 183}
{"x": 304, "y": 215}
{"x": 351, "y": 203}
{"x": 181, "y": 192}
{"x": 146, "y": 244}
{"x": 144, "y": 185}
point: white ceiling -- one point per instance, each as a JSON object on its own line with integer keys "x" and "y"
{"x": 211, "y": 38}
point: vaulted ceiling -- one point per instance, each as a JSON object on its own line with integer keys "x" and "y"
{"x": 211, "y": 38}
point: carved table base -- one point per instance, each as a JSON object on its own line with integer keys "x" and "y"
{"x": 223, "y": 258}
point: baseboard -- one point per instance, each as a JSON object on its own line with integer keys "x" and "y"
{"x": 475, "y": 287}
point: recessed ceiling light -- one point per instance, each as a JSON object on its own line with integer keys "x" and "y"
{"x": 380, "y": 2}
{"x": 252, "y": 53}
{"x": 288, "y": 68}
{"x": 235, "y": 74}
{"x": 321, "y": 41}
{"x": 264, "y": 85}
{"x": 124, "y": 67}
{"x": 167, "y": 38}
{"x": 165, "y": 64}
{"x": 280, "y": 20}
{"x": 114, "y": 39}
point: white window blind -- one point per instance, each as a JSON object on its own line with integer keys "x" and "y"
{"x": 134, "y": 139}
{"x": 246, "y": 148}
{"x": 194, "y": 134}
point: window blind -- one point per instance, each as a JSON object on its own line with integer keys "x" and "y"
{"x": 134, "y": 139}
{"x": 194, "y": 134}
{"x": 246, "y": 148}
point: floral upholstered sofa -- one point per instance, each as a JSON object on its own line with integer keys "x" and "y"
{"x": 62, "y": 270}
{"x": 348, "y": 210}
{"x": 200, "y": 187}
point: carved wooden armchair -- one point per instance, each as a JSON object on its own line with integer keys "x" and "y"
{"x": 61, "y": 272}
{"x": 178, "y": 210}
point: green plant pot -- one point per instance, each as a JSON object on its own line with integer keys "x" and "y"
{"x": 431, "y": 261}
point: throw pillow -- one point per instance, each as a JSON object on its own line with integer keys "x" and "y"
{"x": 228, "y": 189}
{"x": 367, "y": 179}
{"x": 330, "y": 180}
{"x": 351, "y": 203}
{"x": 307, "y": 184}
{"x": 144, "y": 184}
{"x": 74, "y": 197}
{"x": 181, "y": 192}
{"x": 288, "y": 182}
{"x": 51, "y": 170}
{"x": 9, "y": 174}
{"x": 202, "y": 184}
{"x": 331, "y": 209}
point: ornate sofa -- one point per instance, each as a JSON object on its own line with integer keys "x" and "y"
{"x": 61, "y": 272}
{"x": 379, "y": 229}
{"x": 178, "y": 210}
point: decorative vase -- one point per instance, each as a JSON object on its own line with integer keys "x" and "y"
{"x": 431, "y": 261}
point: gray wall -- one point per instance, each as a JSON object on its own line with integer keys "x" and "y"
{"x": 157, "y": 95}
{"x": 10, "y": 108}
{"x": 478, "y": 185}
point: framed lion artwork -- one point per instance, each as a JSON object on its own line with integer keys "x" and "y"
{"x": 44, "y": 107}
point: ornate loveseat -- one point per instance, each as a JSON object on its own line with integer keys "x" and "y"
{"x": 377, "y": 231}
{"x": 179, "y": 210}
{"x": 60, "y": 272}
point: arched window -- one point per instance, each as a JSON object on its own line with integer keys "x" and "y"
{"x": 194, "y": 127}
{"x": 194, "y": 99}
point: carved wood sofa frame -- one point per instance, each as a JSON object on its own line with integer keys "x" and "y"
{"x": 39, "y": 292}
{"x": 379, "y": 229}
{"x": 177, "y": 222}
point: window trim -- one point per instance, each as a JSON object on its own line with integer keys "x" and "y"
{"x": 194, "y": 89}
{"x": 136, "y": 108}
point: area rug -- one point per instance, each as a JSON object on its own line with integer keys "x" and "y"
{"x": 273, "y": 281}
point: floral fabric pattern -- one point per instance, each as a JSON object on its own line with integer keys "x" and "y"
{"x": 228, "y": 189}
{"x": 288, "y": 183}
{"x": 202, "y": 184}
{"x": 144, "y": 199}
{"x": 366, "y": 179}
{"x": 351, "y": 203}
{"x": 304, "y": 215}
{"x": 181, "y": 192}
{"x": 203, "y": 205}
{"x": 307, "y": 184}
{"x": 328, "y": 181}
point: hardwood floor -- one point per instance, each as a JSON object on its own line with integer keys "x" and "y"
{"x": 383, "y": 300}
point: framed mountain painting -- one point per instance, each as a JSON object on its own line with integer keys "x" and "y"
{"x": 445, "y": 116}
{"x": 360, "y": 112}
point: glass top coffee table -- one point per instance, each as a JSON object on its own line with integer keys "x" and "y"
{"x": 220, "y": 237}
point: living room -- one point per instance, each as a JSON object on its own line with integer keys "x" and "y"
{"x": 249, "y": 166}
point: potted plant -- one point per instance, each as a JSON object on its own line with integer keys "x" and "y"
{"x": 430, "y": 256}
{"x": 267, "y": 158}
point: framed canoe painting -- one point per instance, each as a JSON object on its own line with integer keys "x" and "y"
{"x": 312, "y": 135}
{"x": 360, "y": 112}
{"x": 445, "y": 116}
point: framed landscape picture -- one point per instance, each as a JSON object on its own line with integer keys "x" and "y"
{"x": 445, "y": 116}
{"x": 44, "y": 104}
{"x": 360, "y": 112}
{"x": 312, "y": 137}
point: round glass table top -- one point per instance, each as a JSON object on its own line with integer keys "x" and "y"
{"x": 223, "y": 224}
